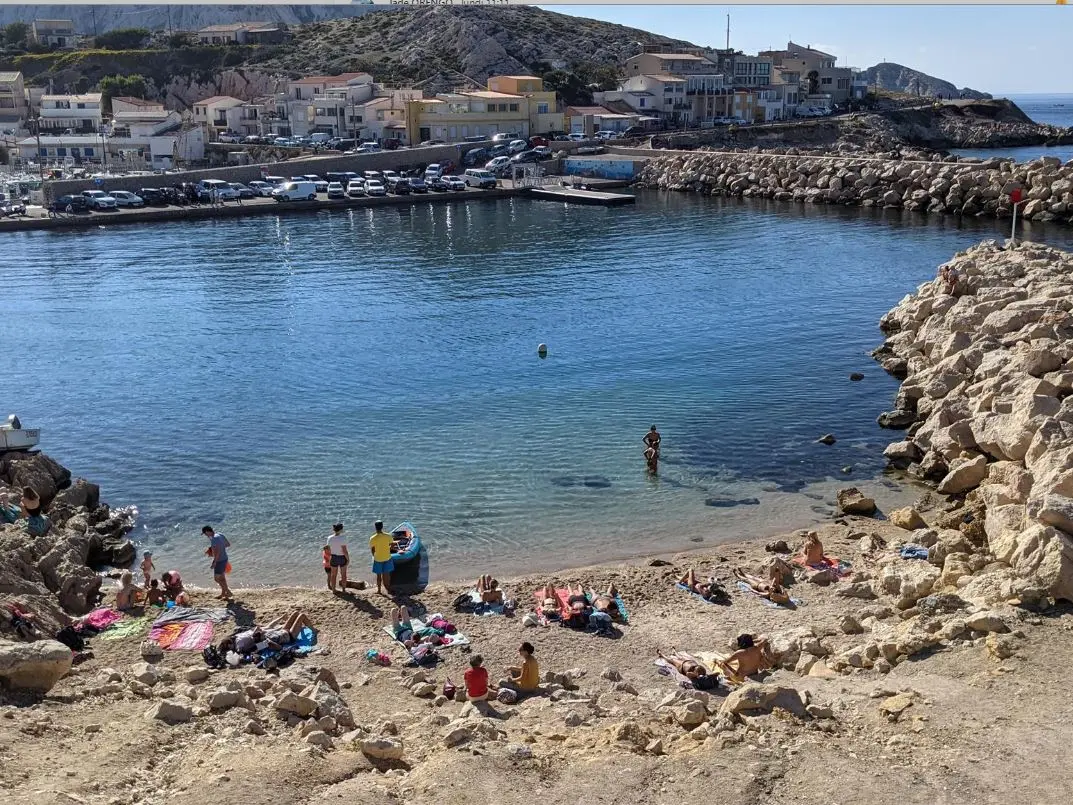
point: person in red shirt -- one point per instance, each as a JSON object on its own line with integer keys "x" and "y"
{"x": 476, "y": 679}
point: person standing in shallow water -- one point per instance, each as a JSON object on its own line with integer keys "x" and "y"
{"x": 652, "y": 441}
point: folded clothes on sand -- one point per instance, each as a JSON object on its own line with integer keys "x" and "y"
{"x": 914, "y": 552}
{"x": 101, "y": 619}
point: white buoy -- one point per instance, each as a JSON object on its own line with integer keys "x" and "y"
{"x": 542, "y": 350}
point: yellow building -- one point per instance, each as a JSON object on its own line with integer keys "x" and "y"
{"x": 513, "y": 104}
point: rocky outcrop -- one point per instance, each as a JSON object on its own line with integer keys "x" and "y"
{"x": 989, "y": 377}
{"x": 959, "y": 188}
{"x": 33, "y": 666}
{"x": 899, "y": 78}
{"x": 53, "y": 574}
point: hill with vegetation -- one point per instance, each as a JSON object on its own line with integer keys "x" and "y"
{"x": 899, "y": 78}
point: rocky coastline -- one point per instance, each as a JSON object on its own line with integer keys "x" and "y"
{"x": 896, "y": 669}
{"x": 978, "y": 189}
{"x": 987, "y": 379}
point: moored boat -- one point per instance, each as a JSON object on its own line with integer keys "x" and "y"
{"x": 13, "y": 436}
{"x": 407, "y": 545}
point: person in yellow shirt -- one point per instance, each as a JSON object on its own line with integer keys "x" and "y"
{"x": 524, "y": 679}
{"x": 380, "y": 545}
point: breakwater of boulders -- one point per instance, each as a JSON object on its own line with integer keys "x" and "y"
{"x": 979, "y": 189}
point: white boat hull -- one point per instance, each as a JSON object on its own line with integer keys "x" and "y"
{"x": 19, "y": 438}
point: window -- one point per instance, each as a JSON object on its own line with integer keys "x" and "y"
{"x": 42, "y": 152}
{"x": 825, "y": 82}
{"x": 642, "y": 103}
{"x": 542, "y": 108}
{"x": 513, "y": 107}
{"x": 668, "y": 88}
{"x": 87, "y": 152}
{"x": 61, "y": 152}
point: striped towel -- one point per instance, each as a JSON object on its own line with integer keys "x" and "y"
{"x": 128, "y": 627}
{"x": 192, "y": 636}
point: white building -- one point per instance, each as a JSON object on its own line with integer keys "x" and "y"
{"x": 77, "y": 113}
{"x": 212, "y": 112}
{"x": 54, "y": 33}
{"x": 14, "y": 108}
{"x": 136, "y": 151}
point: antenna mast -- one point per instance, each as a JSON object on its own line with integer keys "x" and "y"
{"x": 728, "y": 32}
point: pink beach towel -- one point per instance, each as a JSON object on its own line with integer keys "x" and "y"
{"x": 193, "y": 636}
{"x": 101, "y": 619}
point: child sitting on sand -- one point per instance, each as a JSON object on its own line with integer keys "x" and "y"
{"x": 154, "y": 596}
{"x": 476, "y": 678}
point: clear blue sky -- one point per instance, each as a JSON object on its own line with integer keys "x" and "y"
{"x": 996, "y": 49}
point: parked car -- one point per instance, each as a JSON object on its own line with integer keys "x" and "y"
{"x": 634, "y": 131}
{"x": 295, "y": 191}
{"x": 253, "y": 139}
{"x": 283, "y": 142}
{"x": 153, "y": 196}
{"x": 517, "y": 146}
{"x": 355, "y": 188}
{"x": 69, "y": 204}
{"x": 244, "y": 192}
{"x": 478, "y": 177}
{"x": 367, "y": 175}
{"x": 417, "y": 185}
{"x": 542, "y": 151}
{"x": 275, "y": 181}
{"x": 590, "y": 149}
{"x": 367, "y": 148}
{"x": 474, "y": 138}
{"x": 503, "y": 137}
{"x": 534, "y": 142}
{"x": 453, "y": 182}
{"x": 576, "y": 137}
{"x": 388, "y": 176}
{"x": 606, "y": 134}
{"x": 99, "y": 200}
{"x": 501, "y": 150}
{"x": 124, "y": 198}
{"x": 496, "y": 162}
{"x": 224, "y": 191}
{"x": 437, "y": 183}
{"x": 524, "y": 157}
{"x": 477, "y": 156}
{"x": 261, "y": 188}
{"x": 434, "y": 171}
{"x": 228, "y": 137}
{"x": 322, "y": 185}
{"x": 400, "y": 185}
{"x": 335, "y": 190}
{"x": 374, "y": 187}
{"x": 319, "y": 138}
{"x": 392, "y": 144}
{"x": 425, "y": 143}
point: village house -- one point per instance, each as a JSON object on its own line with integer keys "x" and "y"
{"x": 822, "y": 83}
{"x": 14, "y": 108}
{"x": 544, "y": 114}
{"x": 212, "y": 113}
{"x": 54, "y": 33}
{"x": 77, "y": 113}
{"x": 242, "y": 33}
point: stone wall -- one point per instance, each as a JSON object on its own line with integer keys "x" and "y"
{"x": 961, "y": 188}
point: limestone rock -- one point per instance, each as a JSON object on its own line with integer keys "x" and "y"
{"x": 690, "y": 714}
{"x": 383, "y": 748}
{"x": 320, "y": 739}
{"x": 301, "y": 706}
{"x": 170, "y": 711}
{"x": 852, "y": 501}
{"x": 908, "y": 581}
{"x": 964, "y": 474}
{"x": 907, "y": 518}
{"x": 458, "y": 735}
{"x": 145, "y": 672}
{"x": 196, "y": 674}
{"x": 33, "y": 666}
{"x": 758, "y": 699}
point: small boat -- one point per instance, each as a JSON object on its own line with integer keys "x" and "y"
{"x": 13, "y": 436}
{"x": 407, "y": 546}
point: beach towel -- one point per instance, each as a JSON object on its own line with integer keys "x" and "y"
{"x": 562, "y": 594}
{"x": 192, "y": 615}
{"x": 101, "y": 619}
{"x": 840, "y": 567}
{"x": 745, "y": 588}
{"x": 193, "y": 636}
{"x": 128, "y": 627}
{"x": 697, "y": 595}
{"x": 449, "y": 641}
{"x": 914, "y": 552}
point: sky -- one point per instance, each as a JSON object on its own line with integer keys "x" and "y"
{"x": 1004, "y": 50}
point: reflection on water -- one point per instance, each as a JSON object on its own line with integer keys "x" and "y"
{"x": 274, "y": 375}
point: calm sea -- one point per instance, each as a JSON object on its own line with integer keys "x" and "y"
{"x": 1057, "y": 110}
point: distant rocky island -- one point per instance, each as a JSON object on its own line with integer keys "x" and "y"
{"x": 899, "y": 78}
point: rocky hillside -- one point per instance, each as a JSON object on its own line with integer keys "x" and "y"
{"x": 101, "y": 18}
{"x": 899, "y": 78}
{"x": 476, "y": 42}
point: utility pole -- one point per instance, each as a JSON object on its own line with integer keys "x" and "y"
{"x": 93, "y": 11}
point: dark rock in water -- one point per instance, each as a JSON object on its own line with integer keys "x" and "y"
{"x": 35, "y": 470}
{"x": 855, "y": 376}
{"x": 827, "y": 438}
{"x": 824, "y": 510}
{"x": 779, "y": 546}
{"x": 596, "y": 482}
{"x": 564, "y": 480}
{"x": 896, "y": 420}
{"x": 728, "y": 503}
{"x": 696, "y": 539}
{"x": 813, "y": 495}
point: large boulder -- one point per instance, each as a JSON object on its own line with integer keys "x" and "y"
{"x": 756, "y": 699}
{"x": 383, "y": 748}
{"x": 37, "y": 471}
{"x": 907, "y": 518}
{"x": 964, "y": 474}
{"x": 908, "y": 581}
{"x": 33, "y": 666}
{"x": 852, "y": 501}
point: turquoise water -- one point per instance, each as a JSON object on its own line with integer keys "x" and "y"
{"x": 272, "y": 375}
{"x": 1057, "y": 110}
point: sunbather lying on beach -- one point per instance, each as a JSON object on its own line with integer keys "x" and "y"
{"x": 711, "y": 590}
{"x": 751, "y": 657}
{"x": 274, "y": 635}
{"x": 606, "y": 602}
{"x": 489, "y": 590}
{"x": 769, "y": 590}
{"x": 406, "y": 634}
{"x": 549, "y": 602}
{"x": 692, "y": 670}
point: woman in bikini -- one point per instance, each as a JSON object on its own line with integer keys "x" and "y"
{"x": 773, "y": 591}
{"x": 606, "y": 602}
{"x": 488, "y": 589}
{"x": 549, "y": 602}
{"x": 691, "y": 670}
{"x": 710, "y": 590}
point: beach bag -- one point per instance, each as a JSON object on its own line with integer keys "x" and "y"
{"x": 507, "y": 696}
{"x": 464, "y": 603}
{"x": 443, "y": 625}
{"x": 70, "y": 638}
{"x": 212, "y": 657}
{"x": 449, "y": 689}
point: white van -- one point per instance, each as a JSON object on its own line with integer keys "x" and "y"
{"x": 295, "y": 191}
{"x": 478, "y": 177}
{"x": 433, "y": 171}
{"x": 319, "y": 138}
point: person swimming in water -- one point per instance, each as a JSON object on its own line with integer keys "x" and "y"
{"x": 652, "y": 459}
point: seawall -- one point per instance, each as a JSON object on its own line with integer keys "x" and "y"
{"x": 958, "y": 188}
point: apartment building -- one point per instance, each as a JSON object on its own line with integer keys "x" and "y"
{"x": 821, "y": 81}
{"x": 544, "y": 113}
{"x": 14, "y": 108}
{"x": 453, "y": 116}
{"x": 212, "y": 113}
{"x": 673, "y": 63}
{"x": 77, "y": 113}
